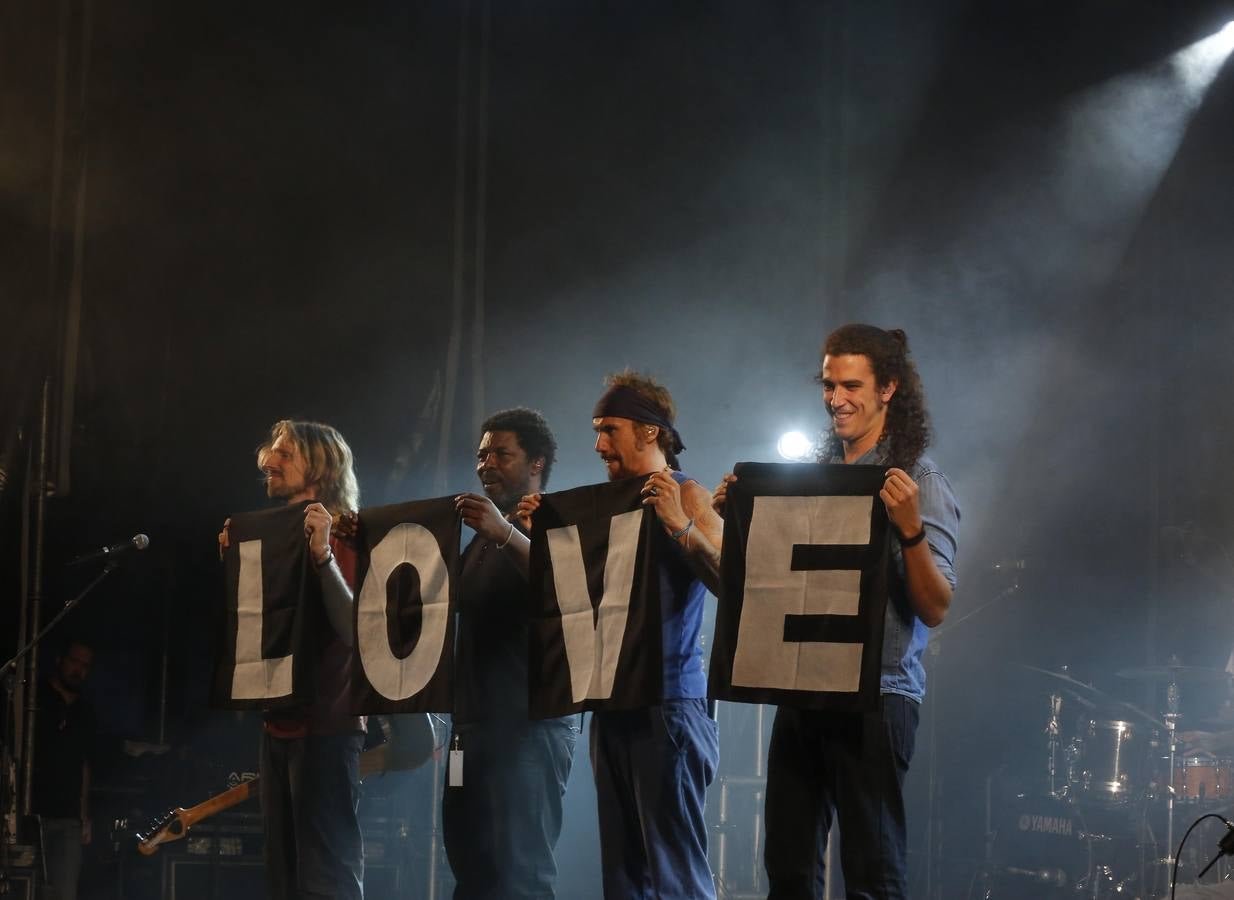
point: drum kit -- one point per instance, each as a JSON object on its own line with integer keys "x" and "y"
{"x": 1117, "y": 788}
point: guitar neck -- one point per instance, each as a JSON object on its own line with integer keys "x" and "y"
{"x": 219, "y": 802}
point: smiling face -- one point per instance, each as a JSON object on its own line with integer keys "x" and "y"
{"x": 627, "y": 447}
{"x": 286, "y": 471}
{"x": 504, "y": 469}
{"x": 855, "y": 401}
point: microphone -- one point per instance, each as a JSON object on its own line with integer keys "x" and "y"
{"x": 136, "y": 542}
{"x": 1051, "y": 877}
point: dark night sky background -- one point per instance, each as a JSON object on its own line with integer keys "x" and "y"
{"x": 699, "y": 189}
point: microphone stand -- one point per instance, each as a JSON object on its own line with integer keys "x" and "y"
{"x": 68, "y": 608}
{"x": 8, "y": 674}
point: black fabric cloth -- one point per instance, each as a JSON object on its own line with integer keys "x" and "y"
{"x": 592, "y": 512}
{"x": 822, "y": 764}
{"x": 292, "y": 619}
{"x": 407, "y": 587}
{"x": 490, "y": 678}
{"x": 63, "y": 742}
{"x": 781, "y": 571}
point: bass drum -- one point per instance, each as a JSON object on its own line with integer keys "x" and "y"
{"x": 1042, "y": 850}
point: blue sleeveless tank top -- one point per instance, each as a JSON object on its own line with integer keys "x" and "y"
{"x": 682, "y": 597}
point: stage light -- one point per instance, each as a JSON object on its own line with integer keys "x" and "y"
{"x": 795, "y": 447}
{"x": 1196, "y": 66}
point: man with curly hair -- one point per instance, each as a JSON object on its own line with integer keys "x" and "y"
{"x": 502, "y": 822}
{"x": 849, "y": 766}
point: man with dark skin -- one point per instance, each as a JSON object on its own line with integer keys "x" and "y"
{"x": 502, "y": 823}
{"x": 62, "y": 770}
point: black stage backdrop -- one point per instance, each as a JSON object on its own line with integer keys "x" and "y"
{"x": 270, "y": 609}
{"x": 803, "y": 587}
{"x": 595, "y": 616}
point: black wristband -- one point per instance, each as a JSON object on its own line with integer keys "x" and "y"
{"x": 914, "y": 540}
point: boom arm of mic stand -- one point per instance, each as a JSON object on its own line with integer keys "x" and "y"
{"x": 939, "y": 633}
{"x": 11, "y": 665}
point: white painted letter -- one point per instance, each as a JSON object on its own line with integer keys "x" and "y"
{"x": 773, "y": 590}
{"x": 394, "y": 678}
{"x": 586, "y": 641}
{"x": 254, "y": 677}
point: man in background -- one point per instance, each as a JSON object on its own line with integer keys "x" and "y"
{"x": 61, "y": 775}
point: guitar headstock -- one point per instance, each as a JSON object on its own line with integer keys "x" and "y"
{"x": 167, "y": 827}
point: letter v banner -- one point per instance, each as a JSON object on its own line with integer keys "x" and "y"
{"x": 272, "y": 609}
{"x": 804, "y": 583}
{"x": 594, "y": 631}
{"x": 403, "y": 657}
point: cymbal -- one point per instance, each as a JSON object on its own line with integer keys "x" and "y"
{"x": 1174, "y": 674}
{"x": 1085, "y": 693}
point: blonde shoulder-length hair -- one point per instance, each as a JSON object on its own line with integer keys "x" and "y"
{"x": 328, "y": 459}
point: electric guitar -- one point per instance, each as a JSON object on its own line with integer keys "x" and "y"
{"x": 409, "y": 745}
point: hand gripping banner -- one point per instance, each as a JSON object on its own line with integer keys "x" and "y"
{"x": 595, "y": 619}
{"x": 406, "y": 572}
{"x": 803, "y": 587}
{"x": 272, "y": 610}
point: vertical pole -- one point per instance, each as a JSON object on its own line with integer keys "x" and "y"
{"x": 454, "y": 346}
{"x": 36, "y": 602}
{"x": 481, "y": 224}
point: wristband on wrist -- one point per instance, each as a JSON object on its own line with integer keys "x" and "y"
{"x": 509, "y": 534}
{"x": 328, "y": 559}
{"x": 677, "y": 535}
{"x": 914, "y": 540}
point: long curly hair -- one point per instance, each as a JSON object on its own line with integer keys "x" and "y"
{"x": 907, "y": 431}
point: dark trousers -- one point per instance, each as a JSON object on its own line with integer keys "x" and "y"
{"x": 851, "y": 766}
{"x": 652, "y": 767}
{"x": 310, "y": 790}
{"x": 501, "y": 825}
{"x": 61, "y": 841}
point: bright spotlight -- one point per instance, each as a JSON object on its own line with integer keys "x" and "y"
{"x": 795, "y": 446}
{"x": 1198, "y": 64}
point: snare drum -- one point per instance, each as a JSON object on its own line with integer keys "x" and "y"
{"x": 1111, "y": 760}
{"x": 1202, "y": 778}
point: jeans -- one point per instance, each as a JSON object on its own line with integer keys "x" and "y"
{"x": 310, "y": 790}
{"x": 846, "y": 765}
{"x": 501, "y": 825}
{"x": 61, "y": 857}
{"x": 652, "y": 767}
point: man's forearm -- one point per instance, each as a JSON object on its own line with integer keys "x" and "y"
{"x": 338, "y": 600}
{"x": 928, "y": 591}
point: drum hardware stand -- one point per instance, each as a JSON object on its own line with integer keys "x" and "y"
{"x": 1053, "y": 733}
{"x": 1171, "y": 727}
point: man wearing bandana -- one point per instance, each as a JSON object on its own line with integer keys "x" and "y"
{"x": 652, "y": 766}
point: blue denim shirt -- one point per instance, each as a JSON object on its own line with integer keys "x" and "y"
{"x": 905, "y": 635}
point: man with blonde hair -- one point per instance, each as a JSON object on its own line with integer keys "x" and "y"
{"x": 310, "y": 754}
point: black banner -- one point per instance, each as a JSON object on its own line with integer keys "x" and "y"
{"x": 406, "y": 575}
{"x": 803, "y": 587}
{"x": 270, "y": 612}
{"x": 595, "y": 639}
